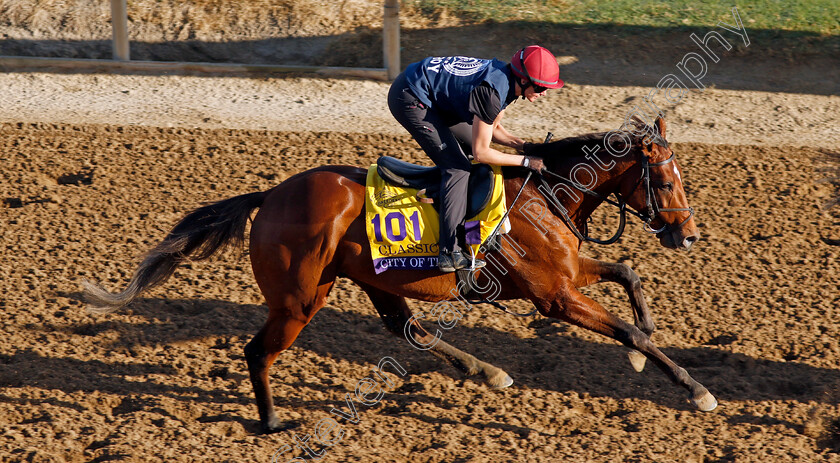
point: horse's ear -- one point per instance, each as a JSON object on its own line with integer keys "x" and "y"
{"x": 647, "y": 148}
{"x": 660, "y": 126}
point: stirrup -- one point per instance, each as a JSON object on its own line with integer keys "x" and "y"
{"x": 452, "y": 261}
{"x": 475, "y": 264}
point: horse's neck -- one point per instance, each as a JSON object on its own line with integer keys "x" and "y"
{"x": 578, "y": 204}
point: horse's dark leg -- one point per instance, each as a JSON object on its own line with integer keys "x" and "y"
{"x": 573, "y": 307}
{"x": 292, "y": 301}
{"x": 595, "y": 271}
{"x": 396, "y": 314}
{"x": 592, "y": 271}
{"x": 294, "y": 240}
{"x": 276, "y": 335}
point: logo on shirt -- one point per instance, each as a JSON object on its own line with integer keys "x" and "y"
{"x": 458, "y": 65}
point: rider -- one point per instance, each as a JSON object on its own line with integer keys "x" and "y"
{"x": 453, "y": 107}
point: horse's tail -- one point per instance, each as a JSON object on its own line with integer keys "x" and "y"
{"x": 203, "y": 233}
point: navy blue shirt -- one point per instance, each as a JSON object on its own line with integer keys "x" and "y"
{"x": 461, "y": 87}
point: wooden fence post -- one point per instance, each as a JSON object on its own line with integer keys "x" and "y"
{"x": 119, "y": 25}
{"x": 391, "y": 38}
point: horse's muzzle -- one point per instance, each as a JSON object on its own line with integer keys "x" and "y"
{"x": 679, "y": 239}
{"x": 690, "y": 240}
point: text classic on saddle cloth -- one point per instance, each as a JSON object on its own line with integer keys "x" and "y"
{"x": 403, "y": 231}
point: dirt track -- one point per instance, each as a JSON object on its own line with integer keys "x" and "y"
{"x": 751, "y": 312}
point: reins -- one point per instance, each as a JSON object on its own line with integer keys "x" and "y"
{"x": 652, "y": 210}
{"x": 495, "y": 233}
{"x": 622, "y": 208}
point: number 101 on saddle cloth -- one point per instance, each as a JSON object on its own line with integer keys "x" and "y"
{"x": 403, "y": 226}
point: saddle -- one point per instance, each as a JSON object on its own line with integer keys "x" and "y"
{"x": 410, "y": 175}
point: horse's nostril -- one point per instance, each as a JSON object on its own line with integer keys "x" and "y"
{"x": 689, "y": 240}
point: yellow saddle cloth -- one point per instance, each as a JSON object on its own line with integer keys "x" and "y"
{"x": 403, "y": 231}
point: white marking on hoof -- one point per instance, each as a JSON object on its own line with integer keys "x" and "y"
{"x": 637, "y": 359}
{"x": 507, "y": 382}
{"x": 500, "y": 380}
{"x": 705, "y": 403}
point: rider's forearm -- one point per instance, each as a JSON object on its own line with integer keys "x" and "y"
{"x": 503, "y": 137}
{"x": 491, "y": 156}
{"x": 483, "y": 134}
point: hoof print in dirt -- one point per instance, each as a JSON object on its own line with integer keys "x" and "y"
{"x": 83, "y": 177}
{"x": 13, "y": 203}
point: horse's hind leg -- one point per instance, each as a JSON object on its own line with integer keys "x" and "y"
{"x": 592, "y": 271}
{"x": 396, "y": 314}
{"x": 290, "y": 310}
{"x": 278, "y": 333}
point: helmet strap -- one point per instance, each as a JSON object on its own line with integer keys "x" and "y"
{"x": 528, "y": 81}
{"x": 524, "y": 87}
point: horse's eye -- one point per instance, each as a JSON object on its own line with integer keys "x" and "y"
{"x": 667, "y": 186}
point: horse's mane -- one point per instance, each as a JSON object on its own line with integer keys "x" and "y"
{"x": 573, "y": 144}
{"x": 576, "y": 143}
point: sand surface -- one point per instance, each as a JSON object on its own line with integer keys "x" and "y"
{"x": 358, "y": 106}
{"x": 751, "y": 312}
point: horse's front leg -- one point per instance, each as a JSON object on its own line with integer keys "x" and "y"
{"x": 591, "y": 271}
{"x": 573, "y": 307}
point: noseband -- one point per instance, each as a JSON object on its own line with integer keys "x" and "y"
{"x": 652, "y": 209}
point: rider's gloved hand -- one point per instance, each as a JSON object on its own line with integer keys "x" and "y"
{"x": 533, "y": 163}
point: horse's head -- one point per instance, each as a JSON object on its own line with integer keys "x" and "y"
{"x": 648, "y": 180}
{"x": 658, "y": 194}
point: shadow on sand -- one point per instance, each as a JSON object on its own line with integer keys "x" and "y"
{"x": 554, "y": 360}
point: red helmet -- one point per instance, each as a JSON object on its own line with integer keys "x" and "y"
{"x": 538, "y": 65}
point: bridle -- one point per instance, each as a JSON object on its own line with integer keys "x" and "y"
{"x": 652, "y": 209}
{"x": 651, "y": 212}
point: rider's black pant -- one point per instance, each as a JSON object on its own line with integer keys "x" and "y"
{"x": 447, "y": 144}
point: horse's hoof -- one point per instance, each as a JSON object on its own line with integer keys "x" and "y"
{"x": 506, "y": 382}
{"x": 637, "y": 359}
{"x": 705, "y": 403}
{"x": 500, "y": 380}
{"x": 276, "y": 425}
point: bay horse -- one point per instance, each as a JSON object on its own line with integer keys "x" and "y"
{"x": 310, "y": 229}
